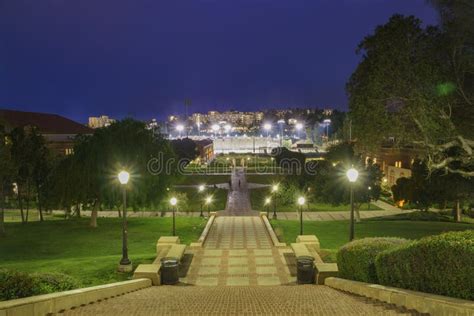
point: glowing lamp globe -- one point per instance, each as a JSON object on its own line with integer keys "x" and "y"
{"x": 208, "y": 200}
{"x": 123, "y": 177}
{"x": 301, "y": 200}
{"x": 201, "y": 188}
{"x": 180, "y": 128}
{"x": 267, "y": 201}
{"x": 173, "y": 201}
{"x": 352, "y": 174}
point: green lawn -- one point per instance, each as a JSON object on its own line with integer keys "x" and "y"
{"x": 197, "y": 179}
{"x": 89, "y": 254}
{"x": 257, "y": 199}
{"x": 219, "y": 199}
{"x": 334, "y": 234}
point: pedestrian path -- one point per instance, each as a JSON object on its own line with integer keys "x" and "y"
{"x": 239, "y": 300}
{"x": 238, "y": 199}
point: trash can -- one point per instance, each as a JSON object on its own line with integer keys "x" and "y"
{"x": 305, "y": 270}
{"x": 169, "y": 270}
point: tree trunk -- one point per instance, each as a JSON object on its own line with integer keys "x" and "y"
{"x": 357, "y": 213}
{"x": 457, "y": 212}
{"x": 78, "y": 210}
{"x": 40, "y": 208}
{"x": 20, "y": 205}
{"x": 93, "y": 222}
{"x": 27, "y": 200}
{"x": 119, "y": 211}
{"x": 2, "y": 212}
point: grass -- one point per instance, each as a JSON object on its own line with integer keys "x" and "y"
{"x": 257, "y": 198}
{"x": 334, "y": 234}
{"x": 219, "y": 200}
{"x": 89, "y": 254}
{"x": 197, "y": 179}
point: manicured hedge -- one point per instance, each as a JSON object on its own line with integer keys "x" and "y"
{"x": 355, "y": 260}
{"x": 14, "y": 284}
{"x": 441, "y": 264}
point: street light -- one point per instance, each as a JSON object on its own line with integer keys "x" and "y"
{"x": 301, "y": 201}
{"x": 299, "y": 127}
{"x": 201, "y": 189}
{"x": 274, "y": 192}
{"x": 352, "y": 175}
{"x": 125, "y": 264}
{"x": 267, "y": 127}
{"x": 180, "y": 129}
{"x": 327, "y": 122}
{"x": 208, "y": 203}
{"x": 267, "y": 201}
{"x": 174, "y": 202}
{"x": 215, "y": 129}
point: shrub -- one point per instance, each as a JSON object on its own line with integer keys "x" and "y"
{"x": 54, "y": 282}
{"x": 442, "y": 264}
{"x": 15, "y": 284}
{"x": 356, "y": 259}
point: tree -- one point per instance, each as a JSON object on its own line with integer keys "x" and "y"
{"x": 415, "y": 87}
{"x": 6, "y": 174}
{"x": 89, "y": 176}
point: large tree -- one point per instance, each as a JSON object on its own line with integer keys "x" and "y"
{"x": 6, "y": 174}
{"x": 414, "y": 86}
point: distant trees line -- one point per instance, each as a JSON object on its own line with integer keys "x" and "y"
{"x": 31, "y": 175}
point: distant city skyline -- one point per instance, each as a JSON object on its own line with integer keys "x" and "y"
{"x": 145, "y": 58}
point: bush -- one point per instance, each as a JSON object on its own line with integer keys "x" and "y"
{"x": 356, "y": 259}
{"x": 54, "y": 282}
{"x": 15, "y": 284}
{"x": 442, "y": 264}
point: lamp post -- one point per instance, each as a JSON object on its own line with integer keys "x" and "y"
{"x": 180, "y": 129}
{"x": 327, "y": 122}
{"x": 267, "y": 201}
{"x": 299, "y": 127}
{"x": 208, "y": 203}
{"x": 274, "y": 192}
{"x": 125, "y": 264}
{"x": 173, "y": 202}
{"x": 301, "y": 201}
{"x": 201, "y": 189}
{"x": 352, "y": 175}
{"x": 267, "y": 127}
{"x": 215, "y": 129}
{"x": 281, "y": 123}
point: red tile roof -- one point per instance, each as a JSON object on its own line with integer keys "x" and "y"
{"x": 46, "y": 123}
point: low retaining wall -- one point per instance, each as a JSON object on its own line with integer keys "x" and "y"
{"x": 205, "y": 232}
{"x": 432, "y": 304}
{"x": 270, "y": 231}
{"x": 57, "y": 302}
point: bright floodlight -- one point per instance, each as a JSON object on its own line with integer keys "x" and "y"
{"x": 123, "y": 177}
{"x": 301, "y": 200}
{"x": 201, "y": 188}
{"x": 173, "y": 201}
{"x": 281, "y": 122}
{"x": 299, "y": 126}
{"x": 179, "y": 128}
{"x": 227, "y": 128}
{"x": 267, "y": 126}
{"x": 267, "y": 200}
{"x": 209, "y": 200}
{"x": 327, "y": 121}
{"x": 352, "y": 175}
{"x": 215, "y": 127}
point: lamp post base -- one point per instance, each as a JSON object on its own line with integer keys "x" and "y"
{"x": 125, "y": 267}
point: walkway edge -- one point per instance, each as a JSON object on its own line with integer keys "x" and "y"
{"x": 271, "y": 232}
{"x": 57, "y": 302}
{"x": 205, "y": 232}
{"x": 421, "y": 302}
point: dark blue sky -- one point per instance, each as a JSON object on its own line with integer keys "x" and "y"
{"x": 144, "y": 57}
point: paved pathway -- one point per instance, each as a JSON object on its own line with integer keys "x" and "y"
{"x": 248, "y": 300}
{"x": 238, "y": 251}
{"x": 238, "y": 199}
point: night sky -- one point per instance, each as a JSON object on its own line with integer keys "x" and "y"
{"x": 144, "y": 57}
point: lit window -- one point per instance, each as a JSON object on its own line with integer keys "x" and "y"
{"x": 69, "y": 151}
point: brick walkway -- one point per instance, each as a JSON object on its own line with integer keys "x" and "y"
{"x": 196, "y": 300}
{"x": 238, "y": 252}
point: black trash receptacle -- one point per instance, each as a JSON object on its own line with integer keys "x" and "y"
{"x": 305, "y": 270}
{"x": 169, "y": 270}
